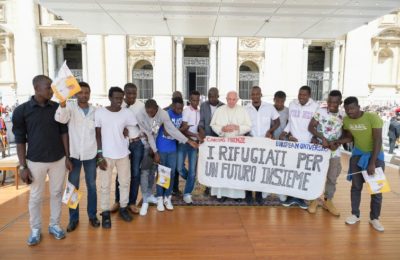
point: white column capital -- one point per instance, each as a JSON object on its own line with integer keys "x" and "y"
{"x": 328, "y": 47}
{"x": 48, "y": 40}
{"x": 82, "y": 40}
{"x": 179, "y": 39}
{"x": 306, "y": 43}
{"x": 338, "y": 43}
{"x": 213, "y": 40}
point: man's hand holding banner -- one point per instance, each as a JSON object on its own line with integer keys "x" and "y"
{"x": 262, "y": 164}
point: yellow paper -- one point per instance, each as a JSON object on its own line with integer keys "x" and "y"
{"x": 164, "y": 176}
{"x": 75, "y": 198}
{"x": 65, "y": 84}
{"x": 376, "y": 183}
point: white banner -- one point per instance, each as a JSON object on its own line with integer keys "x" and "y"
{"x": 261, "y": 164}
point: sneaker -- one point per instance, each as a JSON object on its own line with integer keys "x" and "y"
{"x": 168, "y": 203}
{"x": 289, "y": 202}
{"x": 187, "y": 198}
{"x": 152, "y": 199}
{"x": 133, "y": 209}
{"x": 329, "y": 206}
{"x": 313, "y": 206}
{"x": 94, "y": 222}
{"x": 265, "y": 195}
{"x": 124, "y": 213}
{"x": 301, "y": 203}
{"x": 57, "y": 232}
{"x": 143, "y": 209}
{"x": 115, "y": 207}
{"x": 377, "y": 225}
{"x": 34, "y": 237}
{"x": 160, "y": 204}
{"x": 353, "y": 219}
{"x": 249, "y": 200}
{"x": 282, "y": 197}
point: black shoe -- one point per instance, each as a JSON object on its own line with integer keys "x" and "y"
{"x": 106, "y": 220}
{"x": 207, "y": 191}
{"x": 222, "y": 199}
{"x": 238, "y": 200}
{"x": 72, "y": 226}
{"x": 94, "y": 222}
{"x": 249, "y": 200}
{"x": 176, "y": 193}
{"x": 259, "y": 198}
{"x": 123, "y": 212}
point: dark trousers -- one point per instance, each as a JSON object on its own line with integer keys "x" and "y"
{"x": 357, "y": 186}
{"x": 392, "y": 144}
{"x": 137, "y": 149}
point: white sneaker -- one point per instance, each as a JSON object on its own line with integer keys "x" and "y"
{"x": 160, "y": 204}
{"x": 143, "y": 209}
{"x": 168, "y": 203}
{"x": 187, "y": 198}
{"x": 377, "y": 225}
{"x": 282, "y": 197}
{"x": 152, "y": 199}
{"x": 352, "y": 220}
{"x": 265, "y": 195}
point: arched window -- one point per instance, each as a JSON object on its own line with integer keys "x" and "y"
{"x": 385, "y": 66}
{"x": 248, "y": 77}
{"x": 142, "y": 77}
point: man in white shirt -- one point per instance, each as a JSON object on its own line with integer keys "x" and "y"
{"x": 190, "y": 122}
{"x": 261, "y": 115}
{"x": 136, "y": 148}
{"x": 83, "y": 150}
{"x": 230, "y": 120}
{"x": 301, "y": 111}
{"x": 112, "y": 150}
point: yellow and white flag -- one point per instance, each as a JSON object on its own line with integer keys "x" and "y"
{"x": 376, "y": 183}
{"x": 65, "y": 84}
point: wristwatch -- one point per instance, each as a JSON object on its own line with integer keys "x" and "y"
{"x": 22, "y": 167}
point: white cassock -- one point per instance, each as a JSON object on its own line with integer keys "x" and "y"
{"x": 224, "y": 115}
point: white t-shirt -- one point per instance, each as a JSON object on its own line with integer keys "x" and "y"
{"x": 112, "y": 124}
{"x": 134, "y": 130}
{"x": 213, "y": 108}
{"x": 192, "y": 117}
{"x": 261, "y": 118}
{"x": 299, "y": 119}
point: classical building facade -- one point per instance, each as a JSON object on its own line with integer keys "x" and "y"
{"x": 365, "y": 62}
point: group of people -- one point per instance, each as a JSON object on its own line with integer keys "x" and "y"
{"x": 54, "y": 139}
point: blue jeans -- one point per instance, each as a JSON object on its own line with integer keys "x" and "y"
{"x": 136, "y": 148}
{"x": 167, "y": 160}
{"x": 90, "y": 177}
{"x": 183, "y": 150}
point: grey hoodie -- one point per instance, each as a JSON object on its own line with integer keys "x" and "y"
{"x": 150, "y": 126}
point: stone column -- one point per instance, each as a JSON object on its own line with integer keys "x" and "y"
{"x": 306, "y": 43}
{"x": 335, "y": 64}
{"x": 327, "y": 70}
{"x": 212, "y": 81}
{"x": 84, "y": 59}
{"x": 51, "y": 57}
{"x": 28, "y": 58}
{"x": 60, "y": 55}
{"x": 179, "y": 63}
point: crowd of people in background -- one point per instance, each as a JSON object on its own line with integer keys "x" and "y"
{"x": 58, "y": 139}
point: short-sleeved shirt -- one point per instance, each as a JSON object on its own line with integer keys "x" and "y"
{"x": 192, "y": 117}
{"x": 361, "y": 129}
{"x": 112, "y": 124}
{"x": 166, "y": 143}
{"x": 283, "y": 118}
{"x": 261, "y": 118}
{"x": 330, "y": 125}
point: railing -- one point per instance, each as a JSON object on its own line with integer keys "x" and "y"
{"x": 77, "y": 74}
{"x": 320, "y": 83}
